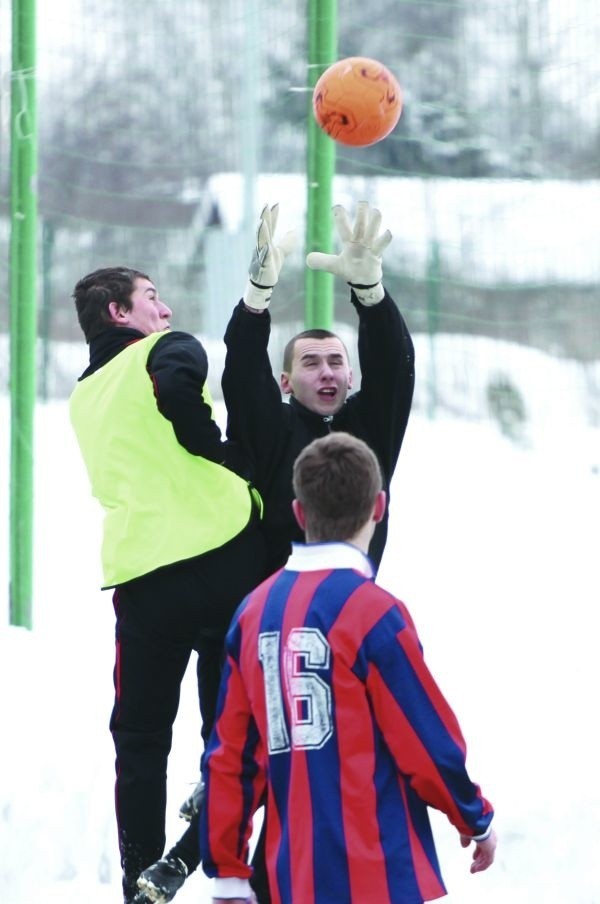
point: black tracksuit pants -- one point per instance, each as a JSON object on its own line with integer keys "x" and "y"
{"x": 160, "y": 619}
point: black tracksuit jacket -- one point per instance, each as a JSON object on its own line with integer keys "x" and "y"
{"x": 272, "y": 432}
{"x": 178, "y": 367}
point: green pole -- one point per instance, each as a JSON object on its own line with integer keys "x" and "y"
{"x": 23, "y": 230}
{"x": 322, "y": 52}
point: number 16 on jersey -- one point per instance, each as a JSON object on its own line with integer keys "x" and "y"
{"x": 307, "y": 696}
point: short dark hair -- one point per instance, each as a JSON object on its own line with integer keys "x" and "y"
{"x": 94, "y": 292}
{"x": 336, "y": 479}
{"x": 288, "y": 352}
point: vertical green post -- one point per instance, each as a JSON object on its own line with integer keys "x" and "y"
{"x": 23, "y": 233}
{"x": 322, "y": 52}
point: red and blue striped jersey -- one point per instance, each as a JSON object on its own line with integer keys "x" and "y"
{"x": 327, "y": 706}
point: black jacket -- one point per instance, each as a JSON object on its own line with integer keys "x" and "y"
{"x": 178, "y": 367}
{"x": 273, "y": 432}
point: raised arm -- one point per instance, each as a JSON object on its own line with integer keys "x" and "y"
{"x": 178, "y": 368}
{"x": 385, "y": 348}
{"x": 387, "y": 361}
{"x": 251, "y": 393}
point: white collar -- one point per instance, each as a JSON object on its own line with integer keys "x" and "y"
{"x": 324, "y": 556}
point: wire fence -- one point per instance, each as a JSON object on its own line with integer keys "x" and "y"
{"x": 165, "y": 126}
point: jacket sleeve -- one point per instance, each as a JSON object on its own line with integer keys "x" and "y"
{"x": 420, "y": 728}
{"x": 234, "y": 779}
{"x": 387, "y": 362}
{"x": 178, "y": 368}
{"x": 255, "y": 415}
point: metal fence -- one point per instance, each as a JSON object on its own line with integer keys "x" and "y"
{"x": 165, "y": 126}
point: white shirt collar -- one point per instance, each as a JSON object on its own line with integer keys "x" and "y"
{"x": 324, "y": 556}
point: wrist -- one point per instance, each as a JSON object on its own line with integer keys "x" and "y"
{"x": 368, "y": 295}
{"x": 256, "y": 298}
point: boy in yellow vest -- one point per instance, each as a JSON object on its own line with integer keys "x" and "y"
{"x": 181, "y": 542}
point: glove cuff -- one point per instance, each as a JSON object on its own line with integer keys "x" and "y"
{"x": 257, "y": 297}
{"x": 368, "y": 295}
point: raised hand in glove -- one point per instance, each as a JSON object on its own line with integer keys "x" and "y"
{"x": 267, "y": 260}
{"x": 359, "y": 262}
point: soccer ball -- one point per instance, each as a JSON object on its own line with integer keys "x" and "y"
{"x": 357, "y": 101}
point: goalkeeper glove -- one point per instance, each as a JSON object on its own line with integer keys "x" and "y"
{"x": 359, "y": 262}
{"x": 267, "y": 260}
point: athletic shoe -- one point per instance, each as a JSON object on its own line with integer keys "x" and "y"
{"x": 161, "y": 881}
{"x": 141, "y": 898}
{"x": 192, "y": 806}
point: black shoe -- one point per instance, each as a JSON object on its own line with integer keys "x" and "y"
{"x": 161, "y": 881}
{"x": 133, "y": 896}
{"x": 141, "y": 898}
{"x": 192, "y": 806}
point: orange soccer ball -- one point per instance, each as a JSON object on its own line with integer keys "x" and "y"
{"x": 357, "y": 101}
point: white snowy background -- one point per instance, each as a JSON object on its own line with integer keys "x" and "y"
{"x": 494, "y": 546}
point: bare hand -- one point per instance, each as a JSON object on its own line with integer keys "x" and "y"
{"x": 483, "y": 855}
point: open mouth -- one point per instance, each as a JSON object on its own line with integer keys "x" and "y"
{"x": 329, "y": 392}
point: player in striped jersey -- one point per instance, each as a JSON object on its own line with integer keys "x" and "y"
{"x": 327, "y": 706}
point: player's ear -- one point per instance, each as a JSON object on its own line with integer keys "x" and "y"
{"x": 350, "y": 379}
{"x": 116, "y": 313}
{"x": 299, "y": 513}
{"x": 380, "y": 506}
{"x": 285, "y": 383}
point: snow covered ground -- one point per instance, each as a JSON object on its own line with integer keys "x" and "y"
{"x": 494, "y": 547}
